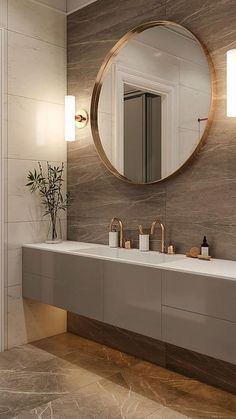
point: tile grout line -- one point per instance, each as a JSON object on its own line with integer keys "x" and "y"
{"x": 37, "y": 39}
{"x": 36, "y": 99}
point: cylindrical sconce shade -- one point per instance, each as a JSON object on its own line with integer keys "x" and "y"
{"x": 231, "y": 83}
{"x": 70, "y": 118}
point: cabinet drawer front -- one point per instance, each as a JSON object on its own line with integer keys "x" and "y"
{"x": 203, "y": 334}
{"x": 200, "y": 294}
{"x": 132, "y": 298}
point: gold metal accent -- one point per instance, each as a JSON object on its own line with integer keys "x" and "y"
{"x": 171, "y": 250}
{"x": 81, "y": 118}
{"x": 127, "y": 244}
{"x": 158, "y": 222}
{"x": 97, "y": 90}
{"x": 119, "y": 221}
{"x": 140, "y": 227}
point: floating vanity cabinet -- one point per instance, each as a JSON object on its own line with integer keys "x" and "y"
{"x": 132, "y": 298}
{"x": 66, "y": 281}
{"x": 162, "y": 301}
{"x": 199, "y": 313}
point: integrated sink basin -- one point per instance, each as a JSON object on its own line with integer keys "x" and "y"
{"x": 129, "y": 255}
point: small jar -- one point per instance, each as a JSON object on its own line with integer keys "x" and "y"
{"x": 144, "y": 242}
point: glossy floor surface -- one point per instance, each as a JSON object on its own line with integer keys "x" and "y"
{"x": 70, "y": 377}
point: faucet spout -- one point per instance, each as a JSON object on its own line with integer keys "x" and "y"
{"x": 117, "y": 220}
{"x": 158, "y": 222}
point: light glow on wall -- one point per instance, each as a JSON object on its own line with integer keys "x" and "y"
{"x": 231, "y": 83}
{"x": 69, "y": 118}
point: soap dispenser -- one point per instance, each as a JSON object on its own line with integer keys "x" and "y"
{"x": 205, "y": 247}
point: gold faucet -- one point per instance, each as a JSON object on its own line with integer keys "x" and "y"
{"x": 119, "y": 221}
{"x": 162, "y": 233}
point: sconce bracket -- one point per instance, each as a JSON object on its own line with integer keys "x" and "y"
{"x": 81, "y": 118}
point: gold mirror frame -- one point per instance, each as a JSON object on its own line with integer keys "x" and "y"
{"x": 98, "y": 86}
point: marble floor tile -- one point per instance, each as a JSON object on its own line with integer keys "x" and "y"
{"x": 177, "y": 392}
{"x": 31, "y": 387}
{"x": 23, "y": 357}
{"x": 85, "y": 353}
{"x": 102, "y": 400}
{"x": 66, "y": 376}
{"x": 166, "y": 413}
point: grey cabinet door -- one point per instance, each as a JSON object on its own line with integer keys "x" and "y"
{"x": 132, "y": 298}
{"x": 70, "y": 282}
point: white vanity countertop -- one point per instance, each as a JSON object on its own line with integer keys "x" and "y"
{"x": 216, "y": 268}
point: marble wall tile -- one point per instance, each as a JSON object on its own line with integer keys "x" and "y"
{"x": 35, "y": 130}
{"x": 73, "y": 5}
{"x": 31, "y": 60}
{"x": 22, "y": 204}
{"x": 28, "y": 320}
{"x": 201, "y": 199}
{"x": 222, "y": 238}
{"x": 56, "y": 4}
{"x": 3, "y": 13}
{"x": 110, "y": 20}
{"x": 38, "y": 21}
{"x": 36, "y": 85}
{"x": 29, "y": 232}
{"x": 206, "y": 19}
{"x": 14, "y": 267}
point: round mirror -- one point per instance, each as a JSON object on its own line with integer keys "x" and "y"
{"x": 151, "y": 105}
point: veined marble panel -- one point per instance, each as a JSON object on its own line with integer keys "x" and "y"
{"x": 36, "y": 20}
{"x": 3, "y": 13}
{"x": 67, "y": 376}
{"x": 36, "y": 69}
{"x": 29, "y": 320}
{"x": 56, "y": 4}
{"x": 198, "y": 201}
{"x": 73, "y": 5}
{"x": 35, "y": 130}
{"x": 110, "y": 20}
{"x": 22, "y": 204}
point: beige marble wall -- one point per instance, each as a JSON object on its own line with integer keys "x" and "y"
{"x": 36, "y": 83}
{"x": 202, "y": 199}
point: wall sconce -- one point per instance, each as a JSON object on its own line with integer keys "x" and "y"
{"x": 231, "y": 83}
{"x": 73, "y": 119}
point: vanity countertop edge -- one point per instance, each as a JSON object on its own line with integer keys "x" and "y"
{"x": 215, "y": 268}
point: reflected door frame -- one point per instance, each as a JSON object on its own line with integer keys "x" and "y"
{"x": 169, "y": 91}
{"x": 3, "y": 96}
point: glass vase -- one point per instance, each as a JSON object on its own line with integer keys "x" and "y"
{"x": 54, "y": 231}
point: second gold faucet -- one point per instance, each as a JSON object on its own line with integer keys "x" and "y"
{"x": 158, "y": 222}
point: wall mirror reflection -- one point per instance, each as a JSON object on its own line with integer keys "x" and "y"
{"x": 151, "y": 104}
